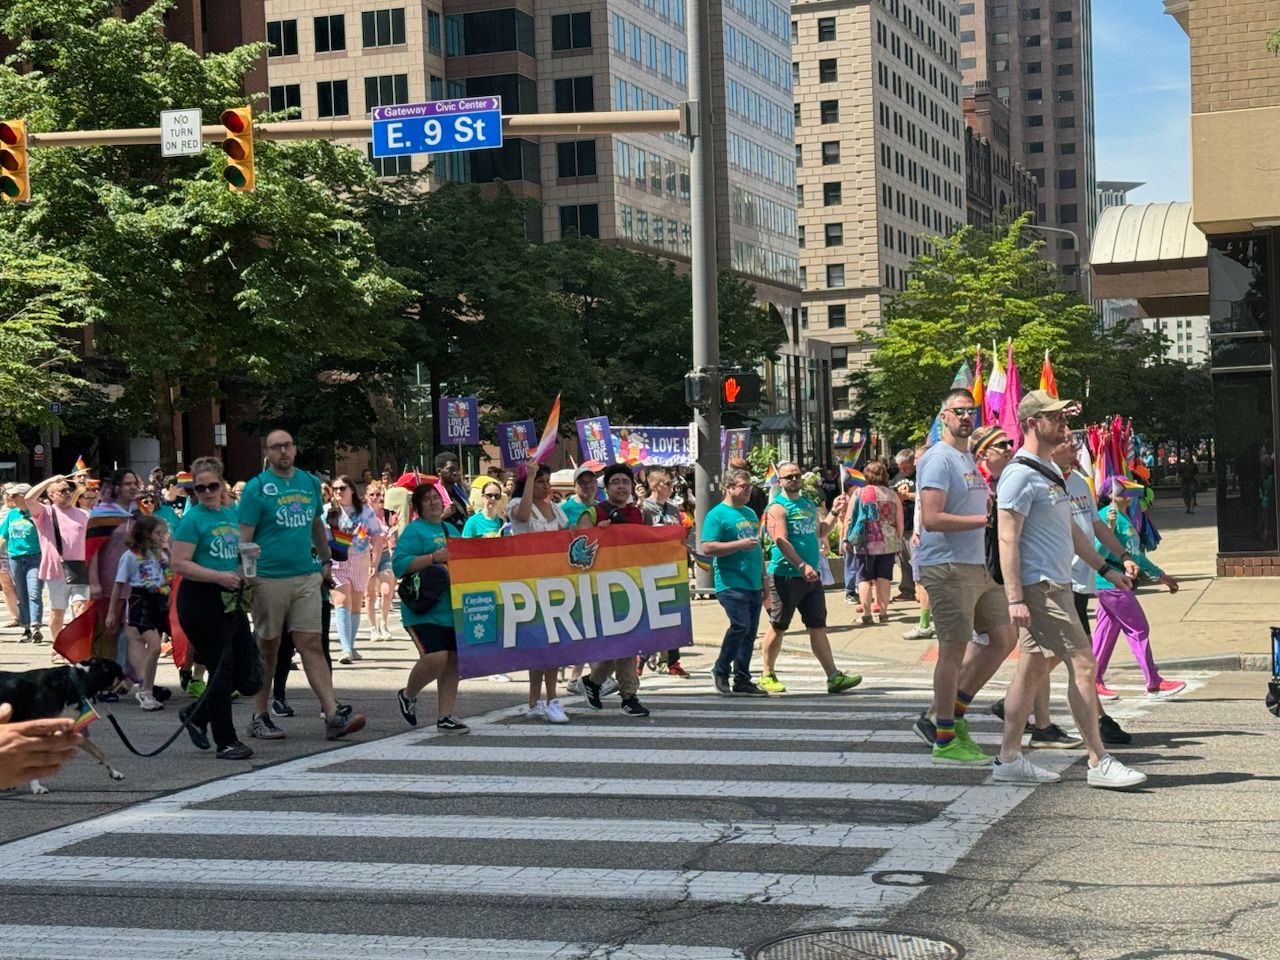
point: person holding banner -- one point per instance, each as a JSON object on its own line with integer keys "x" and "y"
{"x": 457, "y": 507}
{"x": 660, "y": 511}
{"x": 534, "y": 512}
{"x": 585, "y": 488}
{"x": 424, "y": 544}
{"x": 729, "y": 537}
{"x": 617, "y": 508}
{"x": 797, "y": 533}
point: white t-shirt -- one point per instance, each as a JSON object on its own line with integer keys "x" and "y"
{"x": 955, "y": 473}
{"x": 537, "y": 523}
{"x": 1083, "y": 513}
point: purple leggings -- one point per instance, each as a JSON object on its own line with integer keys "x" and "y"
{"x": 1119, "y": 610}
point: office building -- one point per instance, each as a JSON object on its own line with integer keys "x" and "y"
{"x": 997, "y": 185}
{"x": 879, "y": 159}
{"x": 1036, "y": 57}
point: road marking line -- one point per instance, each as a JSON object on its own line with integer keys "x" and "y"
{"x": 131, "y": 943}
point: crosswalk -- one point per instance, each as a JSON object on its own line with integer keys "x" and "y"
{"x": 713, "y": 825}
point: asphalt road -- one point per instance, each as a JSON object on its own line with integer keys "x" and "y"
{"x": 712, "y": 827}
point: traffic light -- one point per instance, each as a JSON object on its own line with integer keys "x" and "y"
{"x": 739, "y": 389}
{"x": 238, "y": 146}
{"x": 15, "y": 181}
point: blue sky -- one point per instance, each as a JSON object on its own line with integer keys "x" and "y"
{"x": 1142, "y": 98}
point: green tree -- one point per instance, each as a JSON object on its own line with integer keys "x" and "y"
{"x": 196, "y": 287}
{"x": 976, "y": 287}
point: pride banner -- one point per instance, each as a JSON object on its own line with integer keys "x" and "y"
{"x": 594, "y": 440}
{"x": 542, "y": 600}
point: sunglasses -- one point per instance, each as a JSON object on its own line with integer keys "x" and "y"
{"x": 340, "y": 486}
{"x": 207, "y": 487}
{"x": 789, "y": 476}
{"x": 1002, "y": 445}
{"x": 962, "y": 412}
{"x": 493, "y": 496}
{"x": 147, "y": 500}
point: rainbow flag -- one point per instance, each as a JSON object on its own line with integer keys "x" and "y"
{"x": 81, "y": 466}
{"x": 979, "y": 390}
{"x": 702, "y": 562}
{"x": 549, "y": 433}
{"x": 770, "y": 477}
{"x": 541, "y": 600}
{"x": 87, "y": 634}
{"x": 86, "y": 717}
{"x": 184, "y": 478}
{"x": 1132, "y": 486}
{"x": 854, "y": 475}
{"x": 341, "y": 537}
{"x": 1048, "y": 382}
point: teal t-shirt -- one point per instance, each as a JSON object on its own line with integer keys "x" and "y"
{"x": 215, "y": 535}
{"x": 802, "y": 532}
{"x": 734, "y": 571}
{"x": 418, "y": 539}
{"x": 281, "y": 511}
{"x": 20, "y": 530}
{"x": 574, "y": 509}
{"x": 169, "y": 516}
{"x": 478, "y": 525}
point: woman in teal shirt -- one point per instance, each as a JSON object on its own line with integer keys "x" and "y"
{"x": 19, "y": 531}
{"x": 488, "y": 521}
{"x": 424, "y": 544}
{"x": 212, "y": 609}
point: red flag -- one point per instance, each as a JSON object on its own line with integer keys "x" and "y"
{"x": 181, "y": 645}
{"x": 1048, "y": 382}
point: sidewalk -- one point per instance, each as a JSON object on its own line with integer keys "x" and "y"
{"x": 1210, "y": 623}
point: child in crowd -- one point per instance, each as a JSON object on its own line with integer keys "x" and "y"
{"x": 144, "y": 570}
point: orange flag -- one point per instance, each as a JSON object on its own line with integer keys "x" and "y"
{"x": 1047, "y": 381}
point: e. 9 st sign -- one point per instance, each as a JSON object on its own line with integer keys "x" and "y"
{"x": 442, "y": 126}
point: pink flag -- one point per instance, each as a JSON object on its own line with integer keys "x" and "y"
{"x": 549, "y": 434}
{"x": 1009, "y": 402}
{"x": 995, "y": 388}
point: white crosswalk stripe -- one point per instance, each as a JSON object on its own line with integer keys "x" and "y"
{"x": 824, "y": 807}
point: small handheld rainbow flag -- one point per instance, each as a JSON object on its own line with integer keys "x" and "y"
{"x": 853, "y": 475}
{"x": 184, "y": 478}
{"x": 770, "y": 476}
{"x": 548, "y": 441}
{"x": 1130, "y": 486}
{"x": 81, "y": 466}
{"x": 341, "y": 537}
{"x": 702, "y": 562}
{"x": 87, "y": 716}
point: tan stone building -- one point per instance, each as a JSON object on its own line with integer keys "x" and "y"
{"x": 1036, "y": 56}
{"x": 879, "y": 157}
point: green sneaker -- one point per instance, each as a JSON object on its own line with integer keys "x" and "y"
{"x": 195, "y": 688}
{"x": 962, "y": 734}
{"x": 959, "y": 751}
{"x": 771, "y": 683}
{"x": 840, "y": 682}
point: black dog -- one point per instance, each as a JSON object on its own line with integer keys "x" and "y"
{"x": 40, "y": 694}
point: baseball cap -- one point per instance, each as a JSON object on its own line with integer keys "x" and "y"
{"x": 1039, "y": 402}
{"x": 18, "y": 489}
{"x": 583, "y": 471}
{"x": 982, "y": 438}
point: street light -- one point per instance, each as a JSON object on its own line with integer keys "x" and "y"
{"x": 1084, "y": 267}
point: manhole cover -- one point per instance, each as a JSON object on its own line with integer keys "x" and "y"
{"x": 858, "y": 945}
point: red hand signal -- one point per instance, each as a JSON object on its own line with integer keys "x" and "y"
{"x": 731, "y": 390}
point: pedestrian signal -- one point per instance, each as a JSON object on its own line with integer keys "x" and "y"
{"x": 238, "y": 146}
{"x": 15, "y": 181}
{"x": 739, "y": 390}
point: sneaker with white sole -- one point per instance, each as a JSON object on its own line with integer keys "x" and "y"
{"x": 919, "y": 633}
{"x": 536, "y": 712}
{"x": 499, "y": 678}
{"x": 1021, "y": 770}
{"x": 574, "y": 687}
{"x": 1111, "y": 774}
{"x": 261, "y": 728}
{"x": 609, "y": 686}
{"x": 147, "y": 702}
{"x": 555, "y": 712}
{"x": 1166, "y": 689}
{"x": 1105, "y": 692}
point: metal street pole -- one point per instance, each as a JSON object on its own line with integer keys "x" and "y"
{"x": 706, "y": 315}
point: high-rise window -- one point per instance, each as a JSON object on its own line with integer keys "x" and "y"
{"x": 1063, "y": 43}
{"x": 571, "y": 31}
{"x": 383, "y": 28}
{"x": 1035, "y": 120}
{"x": 1066, "y": 179}
{"x": 833, "y": 234}
{"x": 1064, "y": 123}
{"x": 835, "y": 275}
{"x": 836, "y": 315}
{"x": 826, "y": 29}
{"x": 1062, "y": 16}
{"x": 434, "y": 33}
{"x": 331, "y": 33}
{"x": 830, "y": 152}
{"x": 331, "y": 98}
{"x": 1035, "y": 93}
{"x": 827, "y": 71}
{"x": 1067, "y": 213}
{"x": 1032, "y": 40}
{"x": 796, "y": 114}
{"x": 581, "y": 220}
{"x": 287, "y": 97}
{"x": 1032, "y": 66}
{"x": 390, "y": 166}
{"x": 831, "y": 193}
{"x": 840, "y": 359}
{"x": 386, "y": 90}
{"x": 1035, "y": 146}
{"x": 829, "y": 111}
{"x": 1065, "y": 69}
{"x": 282, "y": 38}
{"x": 575, "y": 95}
{"x": 576, "y": 158}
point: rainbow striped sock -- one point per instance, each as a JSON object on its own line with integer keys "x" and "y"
{"x": 946, "y": 732}
{"x": 962, "y": 702}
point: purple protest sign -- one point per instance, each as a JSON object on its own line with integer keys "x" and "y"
{"x": 515, "y": 440}
{"x": 594, "y": 440}
{"x": 459, "y": 421}
{"x": 734, "y": 444}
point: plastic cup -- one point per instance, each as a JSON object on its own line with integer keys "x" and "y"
{"x": 249, "y": 553}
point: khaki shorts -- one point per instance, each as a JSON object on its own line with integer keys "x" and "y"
{"x": 1055, "y": 625}
{"x": 281, "y": 600}
{"x": 963, "y": 599}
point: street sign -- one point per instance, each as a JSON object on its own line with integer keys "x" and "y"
{"x": 180, "y": 133}
{"x": 442, "y": 126}
{"x": 55, "y": 408}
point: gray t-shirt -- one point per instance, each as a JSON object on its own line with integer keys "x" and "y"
{"x": 945, "y": 468}
{"x": 1083, "y": 512}
{"x": 1045, "y": 543}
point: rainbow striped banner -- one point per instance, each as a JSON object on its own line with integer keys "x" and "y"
{"x": 542, "y": 600}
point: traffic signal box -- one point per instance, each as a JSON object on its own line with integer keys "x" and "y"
{"x": 739, "y": 390}
{"x": 238, "y": 146}
{"x": 15, "y": 181}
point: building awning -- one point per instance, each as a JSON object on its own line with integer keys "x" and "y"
{"x": 1153, "y": 253}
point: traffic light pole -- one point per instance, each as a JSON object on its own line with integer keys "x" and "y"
{"x": 706, "y": 314}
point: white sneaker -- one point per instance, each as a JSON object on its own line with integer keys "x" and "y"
{"x": 1111, "y": 774}
{"x": 555, "y": 712}
{"x": 919, "y": 633}
{"x": 609, "y": 686}
{"x": 499, "y": 678}
{"x": 1021, "y": 770}
{"x": 147, "y": 702}
{"x": 574, "y": 687}
{"x": 537, "y": 712}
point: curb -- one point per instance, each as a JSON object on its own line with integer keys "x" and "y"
{"x": 1260, "y": 662}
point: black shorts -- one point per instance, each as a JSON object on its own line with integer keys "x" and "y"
{"x": 433, "y": 638}
{"x": 148, "y": 611}
{"x": 789, "y": 594}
